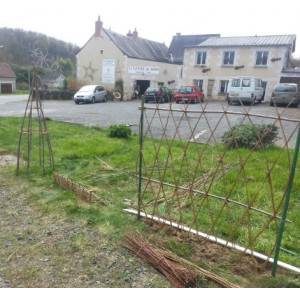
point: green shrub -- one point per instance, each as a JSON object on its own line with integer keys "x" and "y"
{"x": 119, "y": 131}
{"x": 250, "y": 136}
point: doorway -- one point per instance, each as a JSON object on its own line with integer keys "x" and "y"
{"x": 6, "y": 88}
{"x": 141, "y": 86}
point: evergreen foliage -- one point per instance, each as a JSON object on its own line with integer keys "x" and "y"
{"x": 119, "y": 131}
{"x": 250, "y": 136}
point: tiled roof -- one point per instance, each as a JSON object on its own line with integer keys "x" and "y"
{"x": 179, "y": 42}
{"x": 6, "y": 71}
{"x": 139, "y": 48}
{"x": 241, "y": 41}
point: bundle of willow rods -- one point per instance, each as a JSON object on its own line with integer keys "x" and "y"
{"x": 199, "y": 270}
{"x": 179, "y": 276}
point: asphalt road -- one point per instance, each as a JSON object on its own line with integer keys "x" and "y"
{"x": 178, "y": 124}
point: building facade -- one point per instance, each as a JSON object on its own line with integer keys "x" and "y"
{"x": 207, "y": 61}
{"x": 211, "y": 63}
{"x": 109, "y": 57}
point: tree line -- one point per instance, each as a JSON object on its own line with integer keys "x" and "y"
{"x": 18, "y": 45}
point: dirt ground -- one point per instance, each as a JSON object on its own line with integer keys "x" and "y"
{"x": 42, "y": 250}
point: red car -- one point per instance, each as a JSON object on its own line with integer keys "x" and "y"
{"x": 189, "y": 94}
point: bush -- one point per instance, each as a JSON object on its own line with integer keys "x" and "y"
{"x": 250, "y": 136}
{"x": 119, "y": 131}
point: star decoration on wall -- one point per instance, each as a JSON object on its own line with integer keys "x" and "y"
{"x": 89, "y": 71}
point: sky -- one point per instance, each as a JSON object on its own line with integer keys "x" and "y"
{"x": 157, "y": 20}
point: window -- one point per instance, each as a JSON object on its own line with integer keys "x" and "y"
{"x": 201, "y": 58}
{"x": 198, "y": 83}
{"x": 223, "y": 86}
{"x": 246, "y": 82}
{"x": 228, "y": 58}
{"x": 258, "y": 83}
{"x": 261, "y": 58}
{"x": 236, "y": 82}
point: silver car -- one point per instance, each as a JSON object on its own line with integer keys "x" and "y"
{"x": 286, "y": 94}
{"x": 91, "y": 94}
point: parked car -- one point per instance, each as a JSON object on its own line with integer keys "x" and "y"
{"x": 189, "y": 94}
{"x": 245, "y": 89}
{"x": 159, "y": 94}
{"x": 286, "y": 94}
{"x": 91, "y": 94}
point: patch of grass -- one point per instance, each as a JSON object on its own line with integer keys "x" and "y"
{"x": 181, "y": 249}
{"x": 78, "y": 152}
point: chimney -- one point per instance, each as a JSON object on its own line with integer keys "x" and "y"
{"x": 135, "y": 34}
{"x": 178, "y": 34}
{"x": 98, "y": 27}
{"x": 129, "y": 33}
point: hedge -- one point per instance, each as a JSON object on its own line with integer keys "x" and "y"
{"x": 56, "y": 95}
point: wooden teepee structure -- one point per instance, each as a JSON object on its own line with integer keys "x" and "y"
{"x": 34, "y": 128}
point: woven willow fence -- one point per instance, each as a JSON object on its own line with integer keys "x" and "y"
{"x": 189, "y": 177}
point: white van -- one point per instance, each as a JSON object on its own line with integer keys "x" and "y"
{"x": 245, "y": 89}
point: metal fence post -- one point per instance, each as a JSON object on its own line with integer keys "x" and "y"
{"x": 286, "y": 204}
{"x": 141, "y": 138}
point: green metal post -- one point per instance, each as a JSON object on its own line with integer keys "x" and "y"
{"x": 286, "y": 204}
{"x": 141, "y": 158}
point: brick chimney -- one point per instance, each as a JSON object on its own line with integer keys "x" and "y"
{"x": 135, "y": 34}
{"x": 98, "y": 27}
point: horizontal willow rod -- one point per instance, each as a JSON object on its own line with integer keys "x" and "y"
{"x": 222, "y": 112}
{"x": 214, "y": 196}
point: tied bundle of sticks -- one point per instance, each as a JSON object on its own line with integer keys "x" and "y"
{"x": 166, "y": 263}
{"x": 179, "y": 276}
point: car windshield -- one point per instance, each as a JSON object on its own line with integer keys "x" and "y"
{"x": 88, "y": 88}
{"x": 152, "y": 90}
{"x": 286, "y": 88}
{"x": 186, "y": 90}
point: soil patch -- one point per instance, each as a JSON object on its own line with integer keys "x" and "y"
{"x": 6, "y": 160}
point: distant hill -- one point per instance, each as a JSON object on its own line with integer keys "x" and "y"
{"x": 18, "y": 42}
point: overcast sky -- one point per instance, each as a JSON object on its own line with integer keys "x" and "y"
{"x": 157, "y": 20}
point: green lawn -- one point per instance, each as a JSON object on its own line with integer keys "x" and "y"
{"x": 83, "y": 155}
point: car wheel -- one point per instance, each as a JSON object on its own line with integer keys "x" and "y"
{"x": 93, "y": 100}
{"x": 76, "y": 102}
{"x": 105, "y": 99}
{"x": 271, "y": 103}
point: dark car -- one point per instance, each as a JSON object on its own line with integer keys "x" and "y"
{"x": 286, "y": 94}
{"x": 189, "y": 94}
{"x": 159, "y": 94}
{"x": 90, "y": 94}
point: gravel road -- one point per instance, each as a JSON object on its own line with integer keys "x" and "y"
{"x": 105, "y": 114}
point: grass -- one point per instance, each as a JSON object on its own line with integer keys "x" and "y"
{"x": 77, "y": 150}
